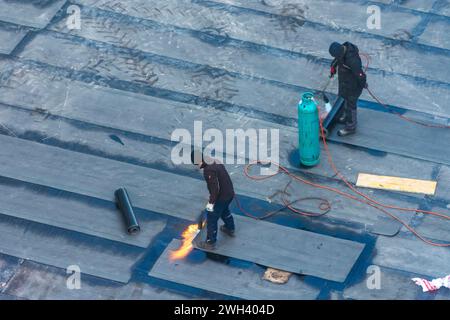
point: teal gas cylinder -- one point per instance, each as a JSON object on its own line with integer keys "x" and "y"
{"x": 308, "y": 130}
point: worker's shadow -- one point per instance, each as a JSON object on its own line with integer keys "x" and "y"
{"x": 197, "y": 256}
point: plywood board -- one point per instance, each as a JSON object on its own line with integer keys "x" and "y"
{"x": 396, "y": 183}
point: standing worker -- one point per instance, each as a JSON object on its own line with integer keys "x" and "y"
{"x": 352, "y": 81}
{"x": 221, "y": 193}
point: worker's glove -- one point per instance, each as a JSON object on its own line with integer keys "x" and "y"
{"x": 332, "y": 71}
{"x": 210, "y": 207}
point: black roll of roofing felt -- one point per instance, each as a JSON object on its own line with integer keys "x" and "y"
{"x": 125, "y": 207}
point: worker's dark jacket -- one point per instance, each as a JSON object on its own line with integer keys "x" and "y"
{"x": 352, "y": 78}
{"x": 219, "y": 182}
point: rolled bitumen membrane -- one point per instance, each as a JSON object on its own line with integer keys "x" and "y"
{"x": 124, "y": 205}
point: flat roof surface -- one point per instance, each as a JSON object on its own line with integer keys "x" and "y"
{"x": 86, "y": 111}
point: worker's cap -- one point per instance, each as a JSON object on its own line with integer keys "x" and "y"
{"x": 196, "y": 156}
{"x": 336, "y": 50}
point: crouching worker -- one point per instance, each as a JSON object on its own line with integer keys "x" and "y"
{"x": 221, "y": 193}
{"x": 352, "y": 80}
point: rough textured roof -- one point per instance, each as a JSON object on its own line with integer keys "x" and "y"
{"x": 84, "y": 112}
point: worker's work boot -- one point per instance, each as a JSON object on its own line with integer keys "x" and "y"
{"x": 206, "y": 245}
{"x": 227, "y": 231}
{"x": 342, "y": 118}
{"x": 345, "y": 132}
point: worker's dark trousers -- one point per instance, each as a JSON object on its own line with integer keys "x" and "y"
{"x": 350, "y": 112}
{"x": 221, "y": 210}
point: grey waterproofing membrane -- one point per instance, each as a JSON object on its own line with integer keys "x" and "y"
{"x": 406, "y": 138}
{"x": 404, "y": 252}
{"x": 6, "y": 297}
{"x": 72, "y": 212}
{"x": 433, "y": 226}
{"x": 98, "y": 177}
{"x": 200, "y": 81}
{"x": 150, "y": 36}
{"x": 270, "y": 245}
{"x": 342, "y": 208}
{"x": 369, "y": 141}
{"x": 44, "y": 127}
{"x": 443, "y": 187}
{"x": 354, "y": 14}
{"x": 260, "y": 29}
{"x": 427, "y": 6}
{"x": 10, "y": 36}
{"x": 441, "y": 7}
{"x": 241, "y": 282}
{"x": 446, "y": 9}
{"x": 33, "y": 14}
{"x": 38, "y": 282}
{"x": 393, "y": 285}
{"x": 436, "y": 33}
{"x": 259, "y": 77}
{"x": 396, "y": 23}
{"x": 60, "y": 248}
{"x": 220, "y": 85}
{"x": 8, "y": 266}
{"x": 223, "y": 86}
{"x": 76, "y": 100}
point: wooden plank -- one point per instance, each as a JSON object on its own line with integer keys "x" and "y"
{"x": 396, "y": 183}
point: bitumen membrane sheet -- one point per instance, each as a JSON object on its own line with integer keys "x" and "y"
{"x": 33, "y": 13}
{"x": 85, "y": 111}
{"x": 405, "y": 138}
{"x": 93, "y": 216}
{"x": 37, "y": 281}
{"x": 280, "y": 33}
{"x": 241, "y": 281}
{"x": 270, "y": 245}
{"x": 10, "y": 36}
{"x": 62, "y": 248}
{"x": 396, "y": 253}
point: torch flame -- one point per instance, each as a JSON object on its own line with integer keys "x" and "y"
{"x": 188, "y": 235}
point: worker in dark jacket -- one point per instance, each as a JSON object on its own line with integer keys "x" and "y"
{"x": 221, "y": 193}
{"x": 352, "y": 81}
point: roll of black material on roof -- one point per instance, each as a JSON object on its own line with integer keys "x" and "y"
{"x": 124, "y": 204}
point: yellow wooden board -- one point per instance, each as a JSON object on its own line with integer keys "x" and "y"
{"x": 396, "y": 183}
